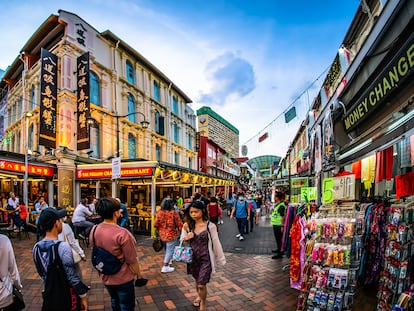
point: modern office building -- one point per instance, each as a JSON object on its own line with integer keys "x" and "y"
{"x": 219, "y": 130}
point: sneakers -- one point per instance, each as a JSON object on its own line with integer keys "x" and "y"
{"x": 241, "y": 238}
{"x": 277, "y": 256}
{"x": 167, "y": 269}
{"x": 238, "y": 235}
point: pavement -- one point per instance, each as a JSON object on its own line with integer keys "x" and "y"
{"x": 250, "y": 280}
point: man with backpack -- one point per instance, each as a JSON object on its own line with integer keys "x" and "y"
{"x": 63, "y": 289}
{"x": 242, "y": 213}
{"x": 118, "y": 242}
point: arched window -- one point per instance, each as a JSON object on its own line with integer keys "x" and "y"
{"x": 33, "y": 97}
{"x": 130, "y": 72}
{"x": 156, "y": 91}
{"x": 132, "y": 146}
{"x": 95, "y": 89}
{"x": 94, "y": 137}
{"x": 158, "y": 152}
{"x": 131, "y": 108}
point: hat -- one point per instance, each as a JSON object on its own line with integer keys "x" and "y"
{"x": 49, "y": 216}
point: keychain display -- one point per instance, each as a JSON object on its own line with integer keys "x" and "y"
{"x": 395, "y": 275}
{"x": 333, "y": 253}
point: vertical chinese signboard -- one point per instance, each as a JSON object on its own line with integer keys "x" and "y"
{"x": 65, "y": 188}
{"x": 83, "y": 101}
{"x": 48, "y": 99}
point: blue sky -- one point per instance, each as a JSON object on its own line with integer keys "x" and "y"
{"x": 248, "y": 60}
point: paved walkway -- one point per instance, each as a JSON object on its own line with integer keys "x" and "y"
{"x": 251, "y": 280}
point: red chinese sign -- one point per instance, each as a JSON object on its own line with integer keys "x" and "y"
{"x": 32, "y": 169}
{"x": 106, "y": 173}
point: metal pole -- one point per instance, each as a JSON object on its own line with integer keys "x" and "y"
{"x": 26, "y": 164}
{"x": 117, "y": 136}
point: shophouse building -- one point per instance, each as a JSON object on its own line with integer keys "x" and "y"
{"x": 82, "y": 113}
{"x": 361, "y": 158}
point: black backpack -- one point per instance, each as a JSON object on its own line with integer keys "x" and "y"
{"x": 58, "y": 294}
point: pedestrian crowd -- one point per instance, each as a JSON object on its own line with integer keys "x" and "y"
{"x": 191, "y": 221}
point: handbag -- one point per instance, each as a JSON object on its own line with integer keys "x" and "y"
{"x": 18, "y": 300}
{"x": 157, "y": 244}
{"x": 183, "y": 253}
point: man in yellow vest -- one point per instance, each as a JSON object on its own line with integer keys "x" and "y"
{"x": 277, "y": 220}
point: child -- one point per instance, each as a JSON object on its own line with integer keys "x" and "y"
{"x": 207, "y": 249}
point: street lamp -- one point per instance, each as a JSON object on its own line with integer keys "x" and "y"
{"x": 144, "y": 123}
{"x": 26, "y": 160}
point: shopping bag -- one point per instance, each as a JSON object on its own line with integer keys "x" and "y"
{"x": 183, "y": 253}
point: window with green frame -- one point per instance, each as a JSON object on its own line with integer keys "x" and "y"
{"x": 176, "y": 134}
{"x": 95, "y": 89}
{"x": 132, "y": 146}
{"x": 175, "y": 105}
{"x": 156, "y": 91}
{"x": 130, "y": 72}
{"x": 131, "y": 108}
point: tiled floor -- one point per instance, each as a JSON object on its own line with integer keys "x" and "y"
{"x": 249, "y": 281}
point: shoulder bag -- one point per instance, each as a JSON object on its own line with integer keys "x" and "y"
{"x": 76, "y": 257}
{"x": 7, "y": 289}
{"x": 104, "y": 261}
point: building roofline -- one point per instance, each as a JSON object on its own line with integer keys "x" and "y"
{"x": 211, "y": 113}
{"x": 110, "y": 36}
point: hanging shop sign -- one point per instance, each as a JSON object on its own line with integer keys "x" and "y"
{"x": 398, "y": 70}
{"x": 106, "y": 173}
{"x": 83, "y": 101}
{"x": 32, "y": 169}
{"x": 48, "y": 99}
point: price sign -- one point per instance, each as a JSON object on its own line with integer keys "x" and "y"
{"x": 116, "y": 168}
{"x": 344, "y": 187}
{"x": 327, "y": 191}
{"x": 308, "y": 194}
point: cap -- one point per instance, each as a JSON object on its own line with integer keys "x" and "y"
{"x": 49, "y": 216}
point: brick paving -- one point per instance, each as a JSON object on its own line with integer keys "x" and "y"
{"x": 251, "y": 280}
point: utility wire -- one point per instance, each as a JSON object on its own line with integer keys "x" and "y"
{"x": 288, "y": 107}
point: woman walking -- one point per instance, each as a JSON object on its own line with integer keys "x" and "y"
{"x": 168, "y": 222}
{"x": 207, "y": 250}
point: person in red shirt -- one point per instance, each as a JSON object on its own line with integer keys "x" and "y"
{"x": 169, "y": 224}
{"x": 214, "y": 211}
